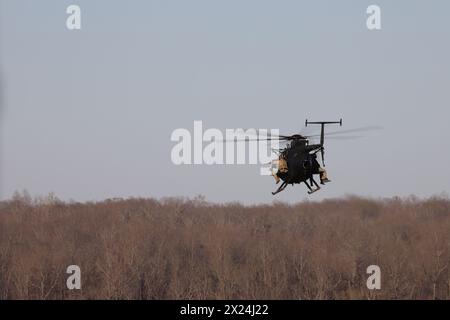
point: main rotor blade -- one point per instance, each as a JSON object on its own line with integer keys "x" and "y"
{"x": 361, "y": 129}
{"x": 257, "y": 136}
{"x": 267, "y": 134}
{"x": 254, "y": 139}
{"x": 340, "y": 137}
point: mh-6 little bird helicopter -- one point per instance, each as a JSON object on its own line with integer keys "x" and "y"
{"x": 297, "y": 162}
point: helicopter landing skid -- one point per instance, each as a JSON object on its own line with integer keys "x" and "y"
{"x": 313, "y": 190}
{"x": 313, "y": 183}
{"x": 280, "y": 188}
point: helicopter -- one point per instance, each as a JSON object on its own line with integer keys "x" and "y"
{"x": 297, "y": 162}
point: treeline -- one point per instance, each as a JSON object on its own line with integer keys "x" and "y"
{"x": 191, "y": 249}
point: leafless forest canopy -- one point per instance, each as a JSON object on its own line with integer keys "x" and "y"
{"x": 191, "y": 249}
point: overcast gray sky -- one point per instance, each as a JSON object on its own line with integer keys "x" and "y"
{"x": 88, "y": 114}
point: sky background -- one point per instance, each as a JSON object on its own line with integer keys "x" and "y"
{"x": 88, "y": 114}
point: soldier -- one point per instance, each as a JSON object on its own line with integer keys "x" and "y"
{"x": 323, "y": 175}
{"x": 282, "y": 167}
{"x": 322, "y": 172}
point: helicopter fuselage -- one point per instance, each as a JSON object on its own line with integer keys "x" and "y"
{"x": 301, "y": 161}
